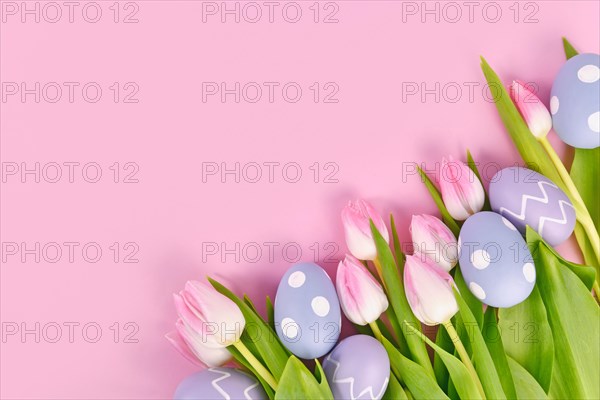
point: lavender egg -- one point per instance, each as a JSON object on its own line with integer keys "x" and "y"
{"x": 575, "y": 103}
{"x": 220, "y": 383}
{"x": 525, "y": 197}
{"x": 495, "y": 261}
{"x": 358, "y": 368}
{"x": 308, "y": 319}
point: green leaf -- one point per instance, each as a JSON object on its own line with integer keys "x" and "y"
{"x": 400, "y": 258}
{"x": 569, "y": 49}
{"x": 527, "y": 337}
{"x": 263, "y": 338}
{"x": 398, "y": 302}
{"x": 463, "y": 382}
{"x": 493, "y": 340}
{"x": 443, "y": 340}
{"x": 242, "y": 361}
{"x": 472, "y": 301}
{"x": 473, "y": 166}
{"x": 527, "y": 387}
{"x": 394, "y": 391}
{"x": 297, "y": 382}
{"x": 270, "y": 313}
{"x": 481, "y": 356}
{"x": 437, "y": 198}
{"x": 531, "y": 151}
{"x": 574, "y": 318}
{"x": 418, "y": 381}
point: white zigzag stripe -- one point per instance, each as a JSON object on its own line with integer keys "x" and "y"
{"x": 544, "y": 200}
{"x": 224, "y": 375}
{"x": 561, "y": 221}
{"x": 350, "y": 380}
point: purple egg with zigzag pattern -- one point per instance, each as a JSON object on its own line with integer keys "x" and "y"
{"x": 525, "y": 197}
{"x": 358, "y": 368}
{"x": 220, "y": 383}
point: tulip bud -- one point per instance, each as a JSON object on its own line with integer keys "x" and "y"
{"x": 462, "y": 191}
{"x": 359, "y": 239}
{"x": 190, "y": 345}
{"x": 361, "y": 296}
{"x": 429, "y": 291}
{"x": 433, "y": 239}
{"x": 212, "y": 318}
{"x": 533, "y": 111}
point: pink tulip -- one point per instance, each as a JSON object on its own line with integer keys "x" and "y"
{"x": 355, "y": 217}
{"x": 429, "y": 291}
{"x": 361, "y": 296}
{"x": 189, "y": 345}
{"x": 433, "y": 239}
{"x": 208, "y": 316}
{"x": 462, "y": 191}
{"x": 533, "y": 111}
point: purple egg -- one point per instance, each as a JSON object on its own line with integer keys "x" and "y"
{"x": 495, "y": 260}
{"x": 358, "y": 368}
{"x": 220, "y": 383}
{"x": 525, "y": 197}
{"x": 575, "y": 102}
{"x": 308, "y": 318}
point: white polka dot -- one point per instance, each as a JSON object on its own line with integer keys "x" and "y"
{"x": 320, "y": 306}
{"x": 297, "y": 279}
{"x": 554, "y": 104}
{"x": 529, "y": 272}
{"x": 588, "y": 73}
{"x": 480, "y": 259}
{"x": 477, "y": 290}
{"x": 594, "y": 121}
{"x": 509, "y": 224}
{"x": 290, "y": 328}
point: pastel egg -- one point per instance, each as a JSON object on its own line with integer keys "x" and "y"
{"x": 358, "y": 368}
{"x": 495, "y": 261}
{"x": 575, "y": 103}
{"x": 525, "y": 197}
{"x": 220, "y": 383}
{"x": 307, "y": 311}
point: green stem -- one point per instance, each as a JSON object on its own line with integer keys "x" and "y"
{"x": 581, "y": 210}
{"x": 464, "y": 356}
{"x": 376, "y": 330}
{"x": 257, "y": 365}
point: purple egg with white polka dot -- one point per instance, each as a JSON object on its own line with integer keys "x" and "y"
{"x": 575, "y": 102}
{"x": 308, "y": 318}
{"x": 495, "y": 261}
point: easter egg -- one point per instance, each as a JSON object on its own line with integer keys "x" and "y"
{"x": 220, "y": 383}
{"x": 307, "y": 311}
{"x": 495, "y": 261}
{"x": 358, "y": 368}
{"x": 525, "y": 197}
{"x": 575, "y": 102}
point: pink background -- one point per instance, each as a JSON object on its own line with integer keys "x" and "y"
{"x": 171, "y": 132}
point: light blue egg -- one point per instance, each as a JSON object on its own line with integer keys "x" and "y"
{"x": 575, "y": 102}
{"x": 220, "y": 383}
{"x": 307, "y": 311}
{"x": 495, "y": 261}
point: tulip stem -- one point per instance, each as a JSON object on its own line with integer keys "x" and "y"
{"x": 464, "y": 356}
{"x": 376, "y": 330}
{"x": 581, "y": 210}
{"x": 257, "y": 365}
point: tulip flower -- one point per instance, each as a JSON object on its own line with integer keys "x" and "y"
{"x": 429, "y": 291}
{"x": 361, "y": 296}
{"x": 215, "y": 320}
{"x": 533, "y": 111}
{"x": 359, "y": 239}
{"x": 190, "y": 346}
{"x": 433, "y": 239}
{"x": 208, "y": 323}
{"x": 462, "y": 191}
